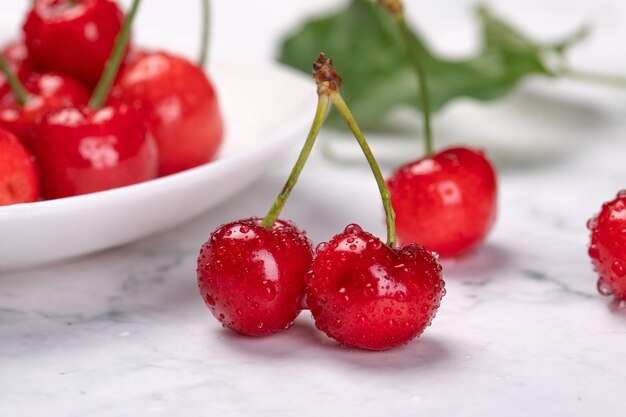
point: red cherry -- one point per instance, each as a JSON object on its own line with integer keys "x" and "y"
{"x": 73, "y": 37}
{"x": 18, "y": 176}
{"x": 81, "y": 150}
{"x": 446, "y": 202}
{"x": 608, "y": 246}
{"x": 47, "y": 92}
{"x": 16, "y": 55}
{"x": 181, "y": 108}
{"x": 364, "y": 294}
{"x": 252, "y": 278}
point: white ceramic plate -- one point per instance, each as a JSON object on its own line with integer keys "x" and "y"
{"x": 266, "y": 107}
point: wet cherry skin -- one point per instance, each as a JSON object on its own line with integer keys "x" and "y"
{"x": 366, "y": 295}
{"x": 446, "y": 202}
{"x": 608, "y": 246}
{"x": 180, "y": 105}
{"x": 16, "y": 55}
{"x": 19, "y": 182}
{"x": 46, "y": 92}
{"x": 73, "y": 37}
{"x": 81, "y": 150}
{"x": 252, "y": 278}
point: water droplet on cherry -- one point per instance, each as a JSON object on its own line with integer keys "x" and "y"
{"x": 618, "y": 269}
{"x": 604, "y": 288}
{"x": 353, "y": 229}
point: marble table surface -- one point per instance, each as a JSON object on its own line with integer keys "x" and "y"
{"x": 522, "y": 330}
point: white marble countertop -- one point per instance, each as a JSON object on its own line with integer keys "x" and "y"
{"x": 521, "y": 331}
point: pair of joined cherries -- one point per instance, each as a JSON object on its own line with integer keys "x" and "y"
{"x": 256, "y": 275}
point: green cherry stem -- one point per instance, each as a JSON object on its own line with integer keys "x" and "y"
{"x": 345, "y": 112}
{"x": 328, "y": 82}
{"x": 323, "y": 105}
{"x": 101, "y": 91}
{"x": 21, "y": 95}
{"x": 204, "y": 43}
{"x": 396, "y": 9}
{"x": 595, "y": 78}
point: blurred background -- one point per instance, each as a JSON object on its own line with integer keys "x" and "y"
{"x": 254, "y": 29}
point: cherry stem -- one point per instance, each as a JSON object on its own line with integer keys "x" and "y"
{"x": 103, "y": 88}
{"x": 328, "y": 83}
{"x": 343, "y": 109}
{"x": 204, "y": 43}
{"x": 396, "y": 9}
{"x": 593, "y": 77}
{"x": 323, "y": 104}
{"x": 21, "y": 95}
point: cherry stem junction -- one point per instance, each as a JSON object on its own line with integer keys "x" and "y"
{"x": 103, "y": 88}
{"x": 204, "y": 42}
{"x": 396, "y": 9}
{"x": 323, "y": 105}
{"x": 21, "y": 95}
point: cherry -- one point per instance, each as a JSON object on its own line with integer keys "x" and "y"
{"x": 83, "y": 150}
{"x": 44, "y": 93}
{"x": 363, "y": 293}
{"x": 181, "y": 108}
{"x": 87, "y": 149}
{"x": 252, "y": 278}
{"x": 367, "y": 295}
{"x": 251, "y": 272}
{"x": 18, "y": 175}
{"x": 446, "y": 202}
{"x": 608, "y": 246}
{"x": 73, "y": 37}
{"x": 16, "y": 56}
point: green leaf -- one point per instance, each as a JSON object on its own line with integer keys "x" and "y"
{"x": 368, "y": 53}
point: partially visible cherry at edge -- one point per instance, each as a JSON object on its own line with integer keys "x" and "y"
{"x": 74, "y": 37}
{"x": 19, "y": 182}
{"x": 608, "y": 247}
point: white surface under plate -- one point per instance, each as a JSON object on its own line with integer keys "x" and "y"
{"x": 46, "y": 231}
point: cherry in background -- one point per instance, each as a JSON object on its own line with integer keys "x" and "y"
{"x": 18, "y": 175}
{"x": 608, "y": 247}
{"x": 73, "y": 37}
{"x": 82, "y": 150}
{"x": 180, "y": 105}
{"x": 16, "y": 56}
{"x": 445, "y": 201}
{"x": 41, "y": 94}
{"x": 92, "y": 148}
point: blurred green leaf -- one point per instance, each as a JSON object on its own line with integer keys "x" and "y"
{"x": 368, "y": 53}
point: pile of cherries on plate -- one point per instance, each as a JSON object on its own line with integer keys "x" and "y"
{"x": 66, "y": 131}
